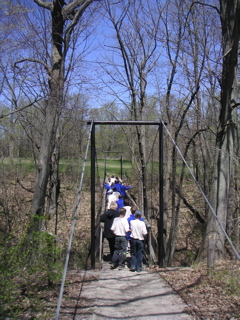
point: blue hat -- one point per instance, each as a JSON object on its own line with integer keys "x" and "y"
{"x": 138, "y": 212}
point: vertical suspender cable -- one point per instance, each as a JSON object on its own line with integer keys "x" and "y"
{"x": 93, "y": 164}
{"x": 121, "y": 166}
{"x": 98, "y": 174}
{"x": 105, "y": 168}
{"x": 72, "y": 229}
{"x": 161, "y": 248}
{"x": 205, "y": 197}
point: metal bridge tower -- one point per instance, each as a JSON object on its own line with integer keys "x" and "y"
{"x": 161, "y": 247}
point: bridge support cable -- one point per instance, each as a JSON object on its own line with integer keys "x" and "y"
{"x": 72, "y": 228}
{"x": 202, "y": 192}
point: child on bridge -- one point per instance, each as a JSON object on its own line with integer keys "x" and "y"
{"x": 138, "y": 233}
{"x": 120, "y": 227}
{"x": 108, "y": 218}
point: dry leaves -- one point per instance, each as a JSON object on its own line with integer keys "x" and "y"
{"x": 208, "y": 298}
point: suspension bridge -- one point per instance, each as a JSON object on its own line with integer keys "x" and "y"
{"x": 115, "y": 294}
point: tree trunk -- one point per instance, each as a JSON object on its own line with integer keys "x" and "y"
{"x": 54, "y": 182}
{"x": 174, "y": 221}
{"x": 53, "y": 111}
{"x": 230, "y": 14}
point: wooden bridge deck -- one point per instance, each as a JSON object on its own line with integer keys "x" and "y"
{"x": 122, "y": 294}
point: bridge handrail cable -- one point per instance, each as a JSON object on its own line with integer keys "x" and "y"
{"x": 73, "y": 227}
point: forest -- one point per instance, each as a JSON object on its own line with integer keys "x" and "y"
{"x": 66, "y": 63}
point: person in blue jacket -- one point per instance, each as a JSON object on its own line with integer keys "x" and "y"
{"x": 120, "y": 203}
{"x": 108, "y": 187}
{"x": 118, "y": 185}
{"x": 123, "y": 190}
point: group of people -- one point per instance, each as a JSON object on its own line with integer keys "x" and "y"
{"x": 124, "y": 228}
{"x": 116, "y": 191}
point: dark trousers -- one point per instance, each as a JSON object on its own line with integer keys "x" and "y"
{"x": 120, "y": 251}
{"x": 111, "y": 243}
{"x": 136, "y": 249}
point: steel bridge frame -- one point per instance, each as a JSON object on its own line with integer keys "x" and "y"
{"x": 161, "y": 248}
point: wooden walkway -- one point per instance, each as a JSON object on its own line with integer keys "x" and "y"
{"x": 122, "y": 294}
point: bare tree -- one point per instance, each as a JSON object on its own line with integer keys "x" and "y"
{"x": 226, "y": 137}
{"x": 64, "y": 18}
{"x": 188, "y": 39}
{"x": 136, "y": 26}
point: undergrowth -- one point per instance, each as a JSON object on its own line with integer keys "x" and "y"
{"x": 28, "y": 267}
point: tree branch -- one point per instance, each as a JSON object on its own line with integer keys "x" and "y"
{"x": 195, "y": 212}
{"x": 205, "y": 4}
{"x": 69, "y": 8}
{"x": 235, "y": 105}
{"x": 46, "y": 5}
{"x": 47, "y": 68}
{"x": 19, "y": 182}
{"x": 27, "y": 106}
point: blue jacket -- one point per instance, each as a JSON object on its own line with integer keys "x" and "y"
{"x": 123, "y": 190}
{"x": 108, "y": 187}
{"x": 120, "y": 203}
{"x": 118, "y": 187}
